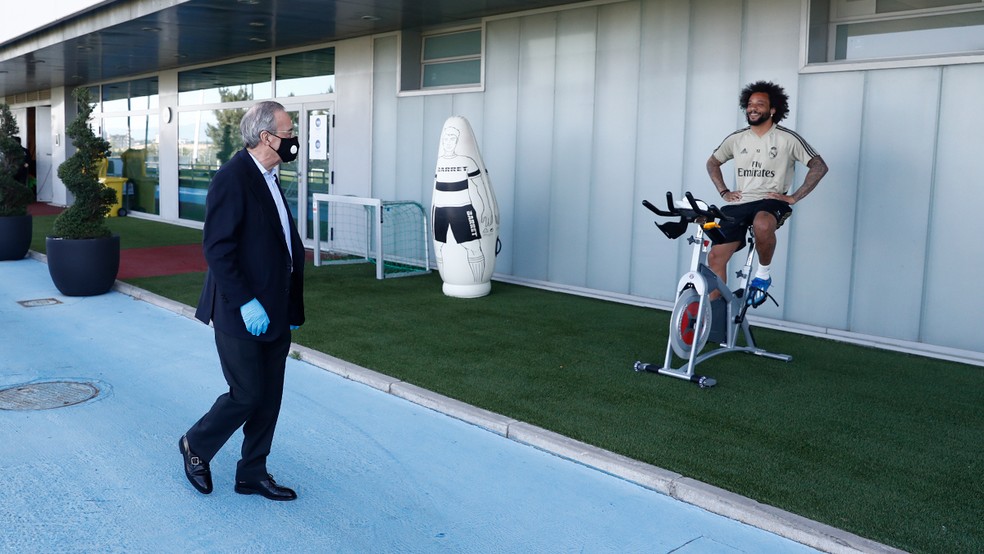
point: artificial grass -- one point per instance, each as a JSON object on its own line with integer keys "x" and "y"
{"x": 886, "y": 445}
{"x": 882, "y": 444}
{"x": 133, "y": 232}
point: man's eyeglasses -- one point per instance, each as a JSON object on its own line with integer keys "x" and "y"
{"x": 289, "y": 133}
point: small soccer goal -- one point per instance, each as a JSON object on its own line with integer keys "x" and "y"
{"x": 391, "y": 234}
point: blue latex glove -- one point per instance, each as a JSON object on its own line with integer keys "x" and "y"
{"x": 294, "y": 327}
{"x": 255, "y": 317}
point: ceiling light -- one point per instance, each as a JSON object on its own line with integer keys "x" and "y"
{"x": 370, "y": 18}
{"x": 257, "y": 39}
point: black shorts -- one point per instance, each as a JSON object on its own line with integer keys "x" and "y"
{"x": 744, "y": 215}
{"x": 462, "y": 220}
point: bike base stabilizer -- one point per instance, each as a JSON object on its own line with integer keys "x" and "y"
{"x": 702, "y": 381}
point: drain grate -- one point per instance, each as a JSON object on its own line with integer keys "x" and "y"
{"x": 38, "y": 302}
{"x": 48, "y": 395}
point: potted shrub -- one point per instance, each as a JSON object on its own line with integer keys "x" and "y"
{"x": 83, "y": 254}
{"x": 15, "y": 197}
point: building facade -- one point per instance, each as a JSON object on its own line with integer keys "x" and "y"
{"x": 582, "y": 110}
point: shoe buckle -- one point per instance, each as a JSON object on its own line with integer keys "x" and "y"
{"x": 196, "y": 461}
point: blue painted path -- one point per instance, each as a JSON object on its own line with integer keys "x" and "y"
{"x": 374, "y": 473}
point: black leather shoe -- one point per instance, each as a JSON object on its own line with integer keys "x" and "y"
{"x": 267, "y": 487}
{"x": 196, "y": 469}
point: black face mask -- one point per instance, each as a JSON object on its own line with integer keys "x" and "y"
{"x": 289, "y": 147}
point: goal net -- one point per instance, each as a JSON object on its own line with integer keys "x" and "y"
{"x": 391, "y": 234}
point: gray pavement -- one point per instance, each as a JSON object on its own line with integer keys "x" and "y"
{"x": 379, "y": 465}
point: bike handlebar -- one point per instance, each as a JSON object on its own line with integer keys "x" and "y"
{"x": 711, "y": 212}
{"x": 697, "y": 210}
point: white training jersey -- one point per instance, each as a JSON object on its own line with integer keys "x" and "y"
{"x": 764, "y": 164}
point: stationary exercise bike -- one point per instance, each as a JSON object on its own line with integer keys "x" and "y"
{"x": 696, "y": 319}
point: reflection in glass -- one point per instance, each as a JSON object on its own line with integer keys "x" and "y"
{"x": 206, "y": 139}
{"x": 452, "y": 59}
{"x": 306, "y": 73}
{"x": 923, "y": 36}
{"x": 318, "y": 167}
{"x": 288, "y": 177}
{"x": 130, "y": 95}
{"x": 248, "y": 80}
{"x": 134, "y": 160}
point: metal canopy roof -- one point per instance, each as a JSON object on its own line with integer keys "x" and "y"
{"x": 123, "y": 38}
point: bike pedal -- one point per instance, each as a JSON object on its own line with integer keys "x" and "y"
{"x": 755, "y": 304}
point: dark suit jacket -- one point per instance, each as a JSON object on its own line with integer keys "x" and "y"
{"x": 247, "y": 255}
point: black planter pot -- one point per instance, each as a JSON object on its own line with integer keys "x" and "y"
{"x": 15, "y": 236}
{"x": 83, "y": 267}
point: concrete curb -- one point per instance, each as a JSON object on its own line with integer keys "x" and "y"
{"x": 713, "y": 499}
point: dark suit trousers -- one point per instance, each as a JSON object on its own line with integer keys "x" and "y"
{"x": 254, "y": 371}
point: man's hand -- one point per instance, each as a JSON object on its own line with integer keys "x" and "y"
{"x": 255, "y": 317}
{"x": 732, "y": 196}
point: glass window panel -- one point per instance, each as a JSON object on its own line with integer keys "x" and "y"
{"x": 453, "y": 45}
{"x": 130, "y": 95}
{"x": 134, "y": 156}
{"x": 889, "y": 6}
{"x": 288, "y": 173}
{"x": 306, "y": 73}
{"x": 932, "y": 35}
{"x": 226, "y": 83}
{"x": 206, "y": 139}
{"x": 94, "y": 100}
{"x": 318, "y": 165}
{"x": 467, "y": 72}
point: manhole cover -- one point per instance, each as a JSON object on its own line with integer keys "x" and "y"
{"x": 38, "y": 302}
{"x": 45, "y": 396}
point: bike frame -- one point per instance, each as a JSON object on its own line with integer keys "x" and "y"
{"x": 703, "y": 281}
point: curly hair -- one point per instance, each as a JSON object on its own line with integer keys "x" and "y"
{"x": 778, "y": 98}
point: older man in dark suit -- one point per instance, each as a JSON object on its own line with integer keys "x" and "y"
{"x": 253, "y": 295}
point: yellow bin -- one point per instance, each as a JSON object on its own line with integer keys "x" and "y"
{"x": 115, "y": 183}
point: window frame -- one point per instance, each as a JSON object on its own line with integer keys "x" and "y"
{"x": 426, "y": 63}
{"x": 819, "y": 35}
{"x": 411, "y": 60}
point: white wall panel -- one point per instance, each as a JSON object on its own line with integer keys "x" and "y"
{"x": 613, "y": 168}
{"x": 384, "y": 118}
{"x": 659, "y": 145}
{"x": 471, "y": 106}
{"x": 954, "y": 297}
{"x": 897, "y": 147}
{"x": 499, "y": 136}
{"x": 712, "y": 100}
{"x": 414, "y": 178}
{"x": 570, "y": 192}
{"x": 589, "y": 109}
{"x": 437, "y": 109}
{"x": 353, "y": 116}
{"x": 821, "y": 231}
{"x": 769, "y": 25}
{"x": 770, "y": 39}
{"x": 534, "y": 145}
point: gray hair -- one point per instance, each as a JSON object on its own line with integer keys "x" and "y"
{"x": 259, "y": 118}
